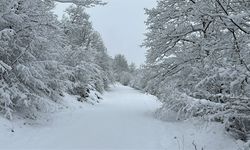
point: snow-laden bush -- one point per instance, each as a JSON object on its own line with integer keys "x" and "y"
{"x": 202, "y": 97}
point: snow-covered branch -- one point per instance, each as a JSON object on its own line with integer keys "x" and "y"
{"x": 86, "y": 3}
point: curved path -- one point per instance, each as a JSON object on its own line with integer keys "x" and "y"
{"x": 124, "y": 120}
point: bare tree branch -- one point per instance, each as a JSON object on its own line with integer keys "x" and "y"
{"x": 225, "y": 11}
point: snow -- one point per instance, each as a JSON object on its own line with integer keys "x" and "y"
{"x": 123, "y": 120}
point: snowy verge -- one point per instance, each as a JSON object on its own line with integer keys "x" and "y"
{"x": 188, "y": 134}
{"x": 69, "y": 103}
{"x": 205, "y": 117}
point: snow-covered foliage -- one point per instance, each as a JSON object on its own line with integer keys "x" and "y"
{"x": 198, "y": 60}
{"x": 87, "y": 52}
{"x": 122, "y": 71}
{"x": 85, "y": 3}
{"x": 41, "y": 58}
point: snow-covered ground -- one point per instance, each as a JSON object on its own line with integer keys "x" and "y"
{"x": 123, "y": 120}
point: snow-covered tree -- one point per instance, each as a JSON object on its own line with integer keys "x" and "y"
{"x": 40, "y": 58}
{"x": 102, "y": 59}
{"x": 200, "y": 50}
{"x": 85, "y": 52}
{"x": 28, "y": 42}
{"x": 85, "y": 3}
{"x": 121, "y": 69}
{"x": 132, "y": 68}
{"x": 120, "y": 63}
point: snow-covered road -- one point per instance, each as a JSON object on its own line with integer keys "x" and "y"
{"x": 124, "y": 120}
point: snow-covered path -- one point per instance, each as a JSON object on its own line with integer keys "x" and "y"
{"x": 123, "y": 120}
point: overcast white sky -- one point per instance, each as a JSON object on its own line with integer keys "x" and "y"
{"x": 121, "y": 24}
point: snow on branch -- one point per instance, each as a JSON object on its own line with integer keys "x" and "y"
{"x": 86, "y": 3}
{"x": 4, "y": 67}
{"x": 6, "y": 34}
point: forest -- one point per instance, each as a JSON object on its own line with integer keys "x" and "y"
{"x": 197, "y": 60}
